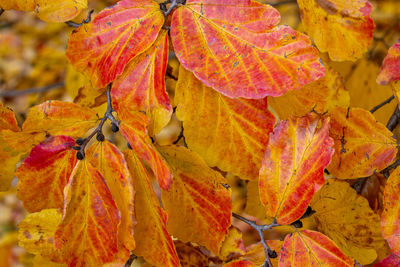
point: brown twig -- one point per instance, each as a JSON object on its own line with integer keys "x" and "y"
{"x": 387, "y": 101}
{"x": 14, "y": 93}
{"x": 394, "y": 119}
{"x": 269, "y": 253}
{"x": 386, "y": 172}
{"x": 84, "y": 21}
{"x": 128, "y": 263}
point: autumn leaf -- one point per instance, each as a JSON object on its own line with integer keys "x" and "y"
{"x": 51, "y": 118}
{"x": 111, "y": 164}
{"x": 45, "y": 172}
{"x": 102, "y": 48}
{"x": 343, "y": 29}
{"x": 362, "y": 145}
{"x": 87, "y": 234}
{"x": 293, "y": 165}
{"x": 134, "y": 129}
{"x": 348, "y": 220}
{"x": 22, "y": 5}
{"x": 310, "y": 248}
{"x": 36, "y": 233}
{"x": 239, "y": 263}
{"x": 198, "y": 204}
{"x": 235, "y": 48}
{"x": 190, "y": 255}
{"x": 256, "y": 253}
{"x": 8, "y": 157}
{"x": 59, "y": 10}
{"x": 390, "y": 67}
{"x": 391, "y": 260}
{"x": 231, "y": 134}
{"x": 390, "y": 217}
{"x": 233, "y": 244}
{"x": 142, "y": 85}
{"x": 319, "y": 96}
{"x": 153, "y": 242}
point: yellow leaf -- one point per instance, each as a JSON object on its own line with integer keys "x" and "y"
{"x": 346, "y": 217}
{"x": 22, "y": 5}
{"x": 198, "y": 203}
{"x": 233, "y": 244}
{"x": 59, "y": 10}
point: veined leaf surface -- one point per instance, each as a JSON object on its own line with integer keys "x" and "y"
{"x": 235, "y": 48}
{"x": 293, "y": 166}
{"x": 390, "y": 70}
{"x": 59, "y": 11}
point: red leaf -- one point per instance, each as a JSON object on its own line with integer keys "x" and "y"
{"x": 390, "y": 70}
{"x": 102, "y": 49}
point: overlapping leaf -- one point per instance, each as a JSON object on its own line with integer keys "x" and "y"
{"x": 346, "y": 217}
{"x": 362, "y": 145}
{"x": 36, "y": 233}
{"x": 59, "y": 11}
{"x": 341, "y": 28}
{"x": 190, "y": 255}
{"x": 87, "y": 234}
{"x": 44, "y": 174}
{"x": 391, "y": 260}
{"x": 390, "y": 218}
{"x": 8, "y": 157}
{"x": 293, "y": 165}
{"x": 231, "y": 134}
{"x": 22, "y": 5}
{"x": 134, "y": 129}
{"x": 310, "y": 248}
{"x": 153, "y": 241}
{"x": 232, "y": 245}
{"x": 51, "y": 118}
{"x": 390, "y": 67}
{"x": 198, "y": 204}
{"x": 111, "y": 164}
{"x": 319, "y": 96}
{"x": 102, "y": 49}
{"x": 142, "y": 85}
{"x": 233, "y": 47}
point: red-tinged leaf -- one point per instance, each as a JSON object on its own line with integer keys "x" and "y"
{"x": 198, "y": 204}
{"x": 310, "y": 248}
{"x": 44, "y": 174}
{"x": 239, "y": 263}
{"x": 135, "y": 131}
{"x": 363, "y": 146}
{"x": 391, "y": 261}
{"x": 233, "y": 47}
{"x": 153, "y": 241}
{"x": 142, "y": 85}
{"x": 233, "y": 245}
{"x": 231, "y": 134}
{"x": 87, "y": 235}
{"x": 293, "y": 166}
{"x": 102, "y": 48}
{"x": 111, "y": 164}
{"x": 390, "y": 217}
{"x": 7, "y": 119}
{"x": 390, "y": 70}
{"x": 51, "y": 118}
{"x": 341, "y": 28}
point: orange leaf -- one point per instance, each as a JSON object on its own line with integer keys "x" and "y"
{"x": 111, "y": 164}
{"x": 153, "y": 241}
{"x": 44, "y": 174}
{"x": 390, "y": 218}
{"x": 256, "y": 253}
{"x": 135, "y": 131}
{"x": 22, "y": 5}
{"x": 233, "y": 245}
{"x": 391, "y": 260}
{"x": 390, "y": 70}
{"x": 51, "y": 118}
{"x": 59, "y": 11}
{"x": 319, "y": 96}
{"x": 239, "y": 263}
{"x": 142, "y": 85}
{"x": 233, "y": 47}
{"x": 198, "y": 204}
{"x": 87, "y": 235}
{"x": 293, "y": 166}
{"x": 231, "y": 134}
{"x": 310, "y": 248}
{"x": 102, "y": 48}
{"x": 341, "y": 28}
{"x": 190, "y": 255}
{"x": 362, "y": 145}
{"x": 7, "y": 119}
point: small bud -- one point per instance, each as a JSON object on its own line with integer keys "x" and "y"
{"x": 272, "y": 254}
{"x": 80, "y": 141}
{"x": 80, "y": 155}
{"x": 129, "y": 146}
{"x": 114, "y": 128}
{"x": 100, "y": 137}
{"x": 297, "y": 224}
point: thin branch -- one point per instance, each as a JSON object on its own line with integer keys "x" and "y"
{"x": 281, "y": 3}
{"x": 174, "y": 3}
{"x": 99, "y": 129}
{"x": 14, "y": 93}
{"x": 260, "y": 228}
{"x": 386, "y": 172}
{"x": 387, "y": 101}
{"x": 128, "y": 263}
{"x": 394, "y": 119}
{"x": 84, "y": 21}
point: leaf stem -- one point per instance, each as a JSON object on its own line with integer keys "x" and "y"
{"x": 394, "y": 119}
{"x": 85, "y": 21}
{"x": 269, "y": 253}
{"x": 387, "y": 101}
